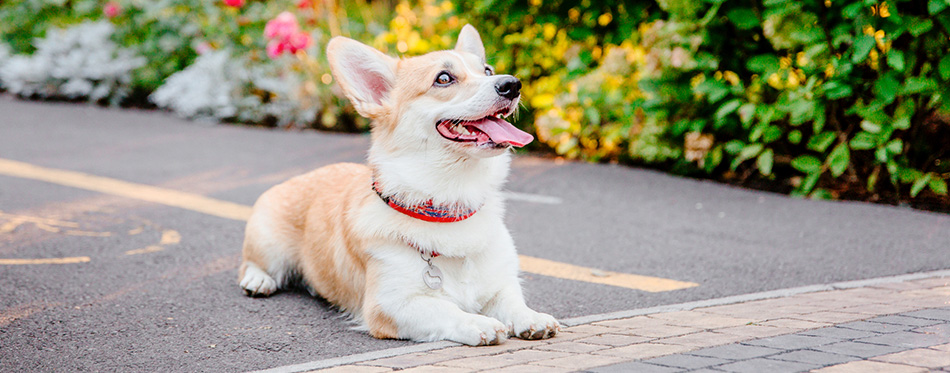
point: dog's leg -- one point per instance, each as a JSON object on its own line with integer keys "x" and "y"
{"x": 424, "y": 319}
{"x": 267, "y": 256}
{"x": 402, "y": 307}
{"x": 509, "y": 307}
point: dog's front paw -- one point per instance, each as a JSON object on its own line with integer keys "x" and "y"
{"x": 257, "y": 282}
{"x": 534, "y": 325}
{"x": 481, "y": 331}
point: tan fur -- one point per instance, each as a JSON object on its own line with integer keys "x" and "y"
{"x": 313, "y": 215}
{"x": 329, "y": 228}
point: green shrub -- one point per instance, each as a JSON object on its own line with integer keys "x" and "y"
{"x": 840, "y": 99}
{"x": 834, "y": 96}
{"x": 824, "y": 99}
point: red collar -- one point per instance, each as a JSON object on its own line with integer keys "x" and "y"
{"x": 427, "y": 211}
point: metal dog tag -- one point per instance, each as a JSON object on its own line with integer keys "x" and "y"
{"x": 432, "y": 277}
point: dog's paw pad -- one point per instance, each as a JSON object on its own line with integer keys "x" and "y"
{"x": 257, "y": 282}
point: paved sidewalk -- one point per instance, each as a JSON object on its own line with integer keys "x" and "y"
{"x": 884, "y": 327}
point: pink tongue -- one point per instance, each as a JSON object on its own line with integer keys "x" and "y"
{"x": 502, "y": 132}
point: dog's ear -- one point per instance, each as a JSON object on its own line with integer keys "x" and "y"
{"x": 470, "y": 42}
{"x": 365, "y": 74}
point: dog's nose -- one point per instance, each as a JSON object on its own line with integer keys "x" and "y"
{"x": 508, "y": 87}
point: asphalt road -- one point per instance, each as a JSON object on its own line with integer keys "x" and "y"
{"x": 159, "y": 291}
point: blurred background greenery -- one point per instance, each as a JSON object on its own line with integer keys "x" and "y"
{"x": 846, "y": 99}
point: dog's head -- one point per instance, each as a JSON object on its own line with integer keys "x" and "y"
{"x": 452, "y": 99}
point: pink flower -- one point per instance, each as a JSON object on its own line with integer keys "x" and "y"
{"x": 298, "y": 41}
{"x": 203, "y": 47}
{"x": 111, "y": 9}
{"x": 285, "y": 35}
{"x": 283, "y": 26}
{"x": 275, "y": 49}
{"x": 234, "y": 3}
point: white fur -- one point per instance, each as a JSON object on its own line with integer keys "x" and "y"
{"x": 480, "y": 301}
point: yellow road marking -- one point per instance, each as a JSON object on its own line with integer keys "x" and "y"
{"x": 67, "y": 260}
{"x": 240, "y": 212}
{"x": 142, "y": 192}
{"x": 145, "y": 250}
{"x": 45, "y": 224}
{"x": 11, "y": 314}
{"x": 169, "y": 237}
{"x": 577, "y": 273}
{"x": 89, "y": 234}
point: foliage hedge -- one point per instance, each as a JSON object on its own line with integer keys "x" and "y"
{"x": 826, "y": 99}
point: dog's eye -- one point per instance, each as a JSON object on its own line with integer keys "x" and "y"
{"x": 444, "y": 79}
{"x": 488, "y": 71}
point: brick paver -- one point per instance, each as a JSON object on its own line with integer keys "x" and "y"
{"x": 614, "y": 340}
{"x": 870, "y": 367}
{"x": 702, "y": 339}
{"x": 891, "y": 327}
{"x": 759, "y": 365}
{"x": 921, "y": 357}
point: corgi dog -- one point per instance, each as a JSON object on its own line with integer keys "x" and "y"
{"x": 412, "y": 245}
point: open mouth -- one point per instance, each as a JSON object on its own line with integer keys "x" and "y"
{"x": 490, "y": 131}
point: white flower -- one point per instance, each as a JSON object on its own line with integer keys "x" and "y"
{"x": 205, "y": 88}
{"x": 220, "y": 86}
{"x": 81, "y": 61}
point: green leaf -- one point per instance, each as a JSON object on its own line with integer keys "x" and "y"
{"x": 593, "y": 116}
{"x": 727, "y": 108}
{"x": 749, "y": 151}
{"x": 920, "y": 27}
{"x": 734, "y": 146}
{"x": 801, "y": 111}
{"x": 881, "y": 155}
{"x": 853, "y": 10}
{"x": 909, "y": 175}
{"x": 764, "y": 63}
{"x": 863, "y": 141}
{"x": 919, "y": 185}
{"x": 935, "y": 6}
{"x": 895, "y": 146}
{"x": 821, "y": 194}
{"x": 808, "y": 164}
{"x": 820, "y": 141}
{"x": 771, "y": 134}
{"x": 895, "y": 58}
{"x": 764, "y": 162}
{"x": 835, "y": 90}
{"x": 713, "y": 89}
{"x": 713, "y": 159}
{"x": 810, "y": 181}
{"x": 862, "y": 46}
{"x": 870, "y": 126}
{"x": 795, "y": 137}
{"x": 938, "y": 186}
{"x": 901, "y": 123}
{"x": 746, "y": 114}
{"x": 839, "y": 159}
{"x": 886, "y": 88}
{"x": 917, "y": 84}
{"x": 944, "y": 67}
{"x": 743, "y": 18}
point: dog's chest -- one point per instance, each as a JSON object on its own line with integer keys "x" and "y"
{"x": 468, "y": 283}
